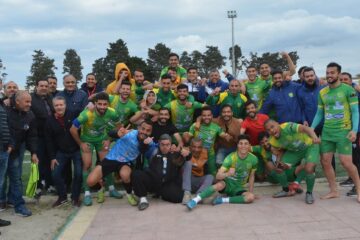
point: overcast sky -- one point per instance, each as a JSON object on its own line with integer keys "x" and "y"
{"x": 321, "y": 31}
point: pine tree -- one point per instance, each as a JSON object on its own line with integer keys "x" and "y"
{"x": 72, "y": 64}
{"x": 41, "y": 67}
{"x": 2, "y": 73}
{"x": 158, "y": 58}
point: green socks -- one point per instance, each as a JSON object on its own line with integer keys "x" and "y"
{"x": 85, "y": 175}
{"x": 207, "y": 192}
{"x": 300, "y": 176}
{"x": 310, "y": 182}
{"x": 237, "y": 199}
{"x": 280, "y": 177}
{"x": 109, "y": 180}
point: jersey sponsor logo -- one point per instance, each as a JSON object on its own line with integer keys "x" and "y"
{"x": 338, "y": 106}
{"x": 329, "y": 116}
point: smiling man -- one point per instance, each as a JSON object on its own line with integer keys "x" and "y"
{"x": 95, "y": 126}
{"x": 296, "y": 142}
{"x": 122, "y": 156}
{"x": 338, "y": 106}
{"x": 238, "y": 168}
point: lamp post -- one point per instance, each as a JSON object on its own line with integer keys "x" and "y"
{"x": 232, "y": 15}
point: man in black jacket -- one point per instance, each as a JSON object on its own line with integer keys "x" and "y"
{"x": 62, "y": 148}
{"x": 164, "y": 176}
{"x": 24, "y": 132}
{"x": 42, "y": 108}
{"x": 91, "y": 86}
{"x": 5, "y": 148}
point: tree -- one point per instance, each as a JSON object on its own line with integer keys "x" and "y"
{"x": 197, "y": 60}
{"x": 41, "y": 67}
{"x": 185, "y": 60}
{"x": 212, "y": 59}
{"x": 158, "y": 58}
{"x": 72, "y": 64}
{"x": 2, "y": 73}
{"x": 273, "y": 59}
{"x": 138, "y": 63}
{"x": 104, "y": 68}
{"x": 98, "y": 68}
{"x": 240, "y": 60}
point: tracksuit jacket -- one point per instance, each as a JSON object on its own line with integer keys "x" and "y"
{"x": 285, "y": 102}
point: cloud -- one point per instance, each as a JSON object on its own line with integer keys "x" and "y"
{"x": 299, "y": 28}
{"x": 18, "y": 35}
{"x": 189, "y": 43}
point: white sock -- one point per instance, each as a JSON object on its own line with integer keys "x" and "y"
{"x": 111, "y": 188}
{"x": 87, "y": 193}
{"x": 143, "y": 199}
{"x": 197, "y": 199}
{"x": 226, "y": 200}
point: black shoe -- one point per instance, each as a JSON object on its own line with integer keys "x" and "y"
{"x": 347, "y": 183}
{"x": 4, "y": 223}
{"x": 2, "y": 207}
{"x": 76, "y": 203}
{"x": 38, "y": 194}
{"x": 352, "y": 192}
{"x": 60, "y": 202}
{"x": 9, "y": 205}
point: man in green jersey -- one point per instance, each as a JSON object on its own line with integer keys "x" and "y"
{"x": 265, "y": 69}
{"x": 271, "y": 169}
{"x": 297, "y": 142}
{"x": 256, "y": 88}
{"x": 174, "y": 63}
{"x": 94, "y": 128}
{"x": 237, "y": 169}
{"x": 164, "y": 94}
{"x": 182, "y": 110}
{"x": 338, "y": 106}
{"x": 233, "y": 97}
{"x": 208, "y": 132}
{"x": 123, "y": 105}
{"x": 139, "y": 87}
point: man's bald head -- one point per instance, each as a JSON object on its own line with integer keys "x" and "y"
{"x": 23, "y": 101}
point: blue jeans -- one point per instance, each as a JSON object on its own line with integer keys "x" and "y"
{"x": 59, "y": 177}
{"x": 3, "y": 168}
{"x": 222, "y": 153}
{"x": 14, "y": 172}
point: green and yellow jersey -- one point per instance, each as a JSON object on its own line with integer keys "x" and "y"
{"x": 124, "y": 109}
{"x": 290, "y": 138}
{"x": 336, "y": 104}
{"x": 236, "y": 101}
{"x": 94, "y": 127}
{"x": 208, "y": 135}
{"x": 243, "y": 167}
{"x": 182, "y": 116}
{"x": 257, "y": 91}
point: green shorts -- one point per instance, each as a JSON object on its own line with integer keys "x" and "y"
{"x": 311, "y": 155}
{"x": 260, "y": 170}
{"x": 232, "y": 188}
{"x": 211, "y": 164}
{"x": 332, "y": 142}
{"x": 98, "y": 146}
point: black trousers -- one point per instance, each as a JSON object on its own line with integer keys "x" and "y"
{"x": 144, "y": 183}
{"x": 356, "y": 152}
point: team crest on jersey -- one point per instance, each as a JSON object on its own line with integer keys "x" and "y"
{"x": 291, "y": 94}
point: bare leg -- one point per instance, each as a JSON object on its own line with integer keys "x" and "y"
{"x": 326, "y": 159}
